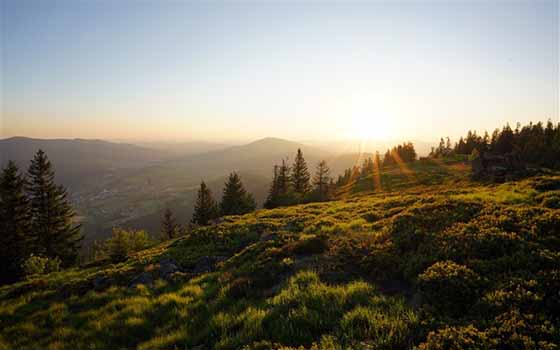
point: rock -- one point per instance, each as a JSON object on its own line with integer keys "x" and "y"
{"x": 416, "y": 300}
{"x": 167, "y": 267}
{"x": 204, "y": 264}
{"x": 268, "y": 237}
{"x": 144, "y": 278}
{"x": 220, "y": 258}
{"x": 101, "y": 283}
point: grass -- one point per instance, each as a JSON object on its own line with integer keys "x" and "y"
{"x": 365, "y": 272}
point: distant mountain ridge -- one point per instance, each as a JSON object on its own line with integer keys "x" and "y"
{"x": 77, "y": 159}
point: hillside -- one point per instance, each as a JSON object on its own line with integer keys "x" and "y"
{"x": 137, "y": 197}
{"x": 429, "y": 260}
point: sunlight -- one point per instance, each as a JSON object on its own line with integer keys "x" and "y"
{"x": 369, "y": 118}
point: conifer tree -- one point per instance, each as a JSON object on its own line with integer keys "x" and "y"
{"x": 236, "y": 200}
{"x": 388, "y": 158}
{"x": 54, "y": 233}
{"x": 205, "y": 208}
{"x": 283, "y": 179}
{"x": 322, "y": 181}
{"x": 14, "y": 223}
{"x": 271, "y": 199}
{"x": 300, "y": 175}
{"x": 169, "y": 227}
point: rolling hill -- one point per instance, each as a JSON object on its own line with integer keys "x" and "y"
{"x": 421, "y": 262}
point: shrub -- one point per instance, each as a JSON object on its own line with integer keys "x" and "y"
{"x": 123, "y": 243}
{"x": 309, "y": 244}
{"x": 449, "y": 287}
{"x": 40, "y": 265}
{"x": 457, "y": 338}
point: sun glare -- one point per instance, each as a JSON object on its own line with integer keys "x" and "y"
{"x": 369, "y": 119}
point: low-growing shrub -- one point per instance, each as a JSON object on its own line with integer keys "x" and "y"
{"x": 457, "y": 338}
{"x": 40, "y": 265}
{"x": 123, "y": 243}
{"x": 309, "y": 244}
{"x": 449, "y": 287}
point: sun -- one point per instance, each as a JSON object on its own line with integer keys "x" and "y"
{"x": 368, "y": 118}
{"x": 370, "y": 127}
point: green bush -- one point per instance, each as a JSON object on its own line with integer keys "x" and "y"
{"x": 40, "y": 265}
{"x": 309, "y": 244}
{"x": 123, "y": 243}
{"x": 449, "y": 287}
{"x": 457, "y": 338}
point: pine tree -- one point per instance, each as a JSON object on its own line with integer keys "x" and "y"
{"x": 283, "y": 179}
{"x": 271, "y": 199}
{"x": 169, "y": 227}
{"x": 388, "y": 158}
{"x": 280, "y": 192}
{"x": 14, "y": 223}
{"x": 235, "y": 199}
{"x": 322, "y": 181}
{"x": 205, "y": 208}
{"x": 54, "y": 233}
{"x": 300, "y": 175}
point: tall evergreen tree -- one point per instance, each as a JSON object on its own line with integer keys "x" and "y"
{"x": 169, "y": 227}
{"x": 322, "y": 181}
{"x": 205, "y": 208}
{"x": 236, "y": 200}
{"x": 283, "y": 179}
{"x": 14, "y": 223}
{"x": 280, "y": 190}
{"x": 300, "y": 175}
{"x": 272, "y": 198}
{"x": 388, "y": 158}
{"x": 52, "y": 227}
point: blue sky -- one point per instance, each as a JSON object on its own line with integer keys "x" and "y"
{"x": 300, "y": 70}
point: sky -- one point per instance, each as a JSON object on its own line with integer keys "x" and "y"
{"x": 224, "y": 71}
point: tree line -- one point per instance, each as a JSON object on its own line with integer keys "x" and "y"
{"x": 402, "y": 153}
{"x": 290, "y": 185}
{"x": 235, "y": 201}
{"x": 293, "y": 184}
{"x": 537, "y": 144}
{"x": 36, "y": 218}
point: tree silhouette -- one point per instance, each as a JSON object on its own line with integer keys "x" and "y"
{"x": 169, "y": 227}
{"x": 14, "y": 223}
{"x": 300, "y": 175}
{"x": 236, "y": 200}
{"x": 205, "y": 208}
{"x": 53, "y": 230}
{"x": 322, "y": 181}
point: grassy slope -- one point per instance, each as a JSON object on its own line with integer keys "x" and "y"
{"x": 476, "y": 265}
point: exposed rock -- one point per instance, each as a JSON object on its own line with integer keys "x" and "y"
{"x": 101, "y": 283}
{"x": 144, "y": 278}
{"x": 204, "y": 264}
{"x": 497, "y": 166}
{"x": 416, "y": 301}
{"x": 220, "y": 258}
{"x": 268, "y": 236}
{"x": 167, "y": 267}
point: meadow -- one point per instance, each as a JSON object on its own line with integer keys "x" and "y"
{"x": 415, "y": 258}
